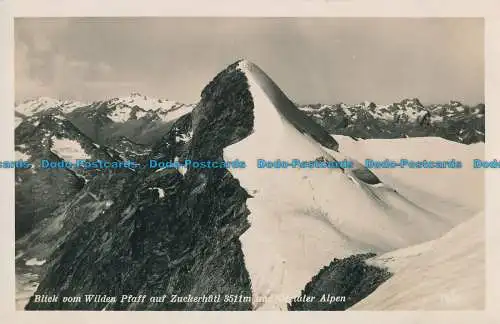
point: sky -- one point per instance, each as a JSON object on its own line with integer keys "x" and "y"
{"x": 313, "y": 60}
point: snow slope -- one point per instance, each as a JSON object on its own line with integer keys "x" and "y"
{"x": 433, "y": 184}
{"x": 303, "y": 218}
{"x": 68, "y": 150}
{"x": 451, "y": 268}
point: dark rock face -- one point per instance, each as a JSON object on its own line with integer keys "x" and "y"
{"x": 128, "y": 149}
{"x": 183, "y": 241}
{"x": 40, "y": 192}
{"x": 351, "y": 278}
{"x": 466, "y": 128}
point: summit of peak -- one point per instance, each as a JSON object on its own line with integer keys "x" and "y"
{"x": 246, "y": 65}
{"x": 414, "y": 101}
{"x": 263, "y": 88}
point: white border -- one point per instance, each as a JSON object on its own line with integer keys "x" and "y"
{"x": 490, "y": 9}
{"x": 258, "y": 8}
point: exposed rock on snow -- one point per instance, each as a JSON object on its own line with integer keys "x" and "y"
{"x": 446, "y": 274}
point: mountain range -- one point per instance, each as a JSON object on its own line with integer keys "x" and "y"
{"x": 408, "y": 118}
{"x": 142, "y": 119}
{"x": 270, "y": 236}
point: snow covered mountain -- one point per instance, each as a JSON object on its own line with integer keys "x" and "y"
{"x": 260, "y": 233}
{"x": 309, "y": 199}
{"x": 407, "y": 118}
{"x": 120, "y": 109}
{"x": 139, "y": 118}
{"x": 142, "y": 118}
{"x": 454, "y": 268}
{"x": 137, "y": 106}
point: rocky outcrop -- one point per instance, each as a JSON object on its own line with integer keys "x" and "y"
{"x": 340, "y": 285}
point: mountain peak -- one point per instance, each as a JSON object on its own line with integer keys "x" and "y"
{"x": 414, "y": 101}
{"x": 247, "y": 66}
{"x": 244, "y": 61}
{"x": 455, "y": 103}
{"x": 262, "y": 85}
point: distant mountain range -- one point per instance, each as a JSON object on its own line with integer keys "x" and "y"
{"x": 137, "y": 117}
{"x": 408, "y": 118}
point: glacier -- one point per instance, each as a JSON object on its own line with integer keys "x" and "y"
{"x": 301, "y": 219}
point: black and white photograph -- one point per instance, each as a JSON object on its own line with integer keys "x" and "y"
{"x": 249, "y": 163}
